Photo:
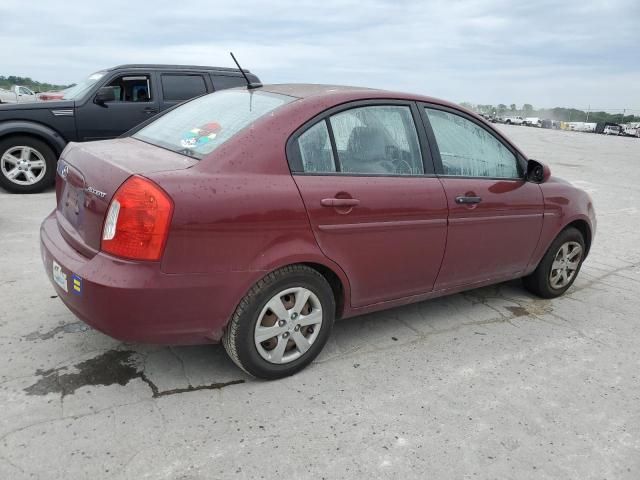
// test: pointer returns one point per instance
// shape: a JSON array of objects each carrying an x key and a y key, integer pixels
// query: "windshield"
[
  {"x": 198, "y": 127},
  {"x": 81, "y": 88}
]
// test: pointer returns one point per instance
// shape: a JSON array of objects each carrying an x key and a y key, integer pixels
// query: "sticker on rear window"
[{"x": 200, "y": 136}]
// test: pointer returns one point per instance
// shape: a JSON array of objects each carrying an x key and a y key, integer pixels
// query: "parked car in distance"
[
  {"x": 50, "y": 96},
  {"x": 257, "y": 217},
  {"x": 631, "y": 130},
  {"x": 513, "y": 120},
  {"x": 532, "y": 122},
  {"x": 104, "y": 105},
  {"x": 17, "y": 94},
  {"x": 612, "y": 130}
]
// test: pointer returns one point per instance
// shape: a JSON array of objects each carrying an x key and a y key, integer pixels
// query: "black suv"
[{"x": 104, "y": 105}]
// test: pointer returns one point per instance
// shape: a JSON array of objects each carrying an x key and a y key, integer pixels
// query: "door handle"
[
  {"x": 150, "y": 110},
  {"x": 339, "y": 202},
  {"x": 468, "y": 200}
]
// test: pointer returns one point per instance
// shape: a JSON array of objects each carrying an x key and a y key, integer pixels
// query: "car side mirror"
[
  {"x": 104, "y": 95},
  {"x": 537, "y": 172}
]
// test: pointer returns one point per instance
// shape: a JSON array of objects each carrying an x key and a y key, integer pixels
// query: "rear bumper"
[{"x": 136, "y": 301}]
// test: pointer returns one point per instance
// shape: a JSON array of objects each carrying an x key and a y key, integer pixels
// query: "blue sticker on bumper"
[{"x": 76, "y": 284}]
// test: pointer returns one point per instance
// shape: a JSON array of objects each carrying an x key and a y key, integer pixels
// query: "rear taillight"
[{"x": 137, "y": 221}]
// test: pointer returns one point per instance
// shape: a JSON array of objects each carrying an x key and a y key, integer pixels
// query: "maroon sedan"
[{"x": 257, "y": 217}]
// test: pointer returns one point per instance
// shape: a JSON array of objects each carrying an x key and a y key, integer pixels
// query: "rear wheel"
[
  {"x": 559, "y": 267},
  {"x": 27, "y": 165},
  {"x": 282, "y": 324}
]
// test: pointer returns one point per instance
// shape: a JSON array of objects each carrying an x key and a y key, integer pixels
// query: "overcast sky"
[{"x": 548, "y": 53}]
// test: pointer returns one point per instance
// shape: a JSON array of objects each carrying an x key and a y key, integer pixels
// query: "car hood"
[{"x": 37, "y": 105}]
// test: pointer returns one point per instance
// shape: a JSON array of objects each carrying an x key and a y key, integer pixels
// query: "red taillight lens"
[{"x": 137, "y": 221}]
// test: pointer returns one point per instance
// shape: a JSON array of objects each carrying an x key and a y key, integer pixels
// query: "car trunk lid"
[{"x": 88, "y": 176}]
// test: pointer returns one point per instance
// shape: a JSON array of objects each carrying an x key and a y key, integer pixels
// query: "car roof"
[
  {"x": 158, "y": 66},
  {"x": 326, "y": 96},
  {"x": 344, "y": 93}
]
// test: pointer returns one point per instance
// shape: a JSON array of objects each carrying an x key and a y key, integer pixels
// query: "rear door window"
[
  {"x": 315, "y": 149},
  {"x": 377, "y": 140},
  {"x": 182, "y": 87}
]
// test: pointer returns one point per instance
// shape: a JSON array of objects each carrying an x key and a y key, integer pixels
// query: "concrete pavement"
[{"x": 492, "y": 383}]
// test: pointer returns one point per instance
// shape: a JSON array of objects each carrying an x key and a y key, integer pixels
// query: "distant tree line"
[
  {"x": 559, "y": 113},
  {"x": 11, "y": 80}
]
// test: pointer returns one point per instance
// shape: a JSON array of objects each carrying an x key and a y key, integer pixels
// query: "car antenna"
[{"x": 250, "y": 85}]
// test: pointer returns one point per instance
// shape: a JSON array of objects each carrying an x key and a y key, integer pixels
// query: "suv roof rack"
[{"x": 177, "y": 67}]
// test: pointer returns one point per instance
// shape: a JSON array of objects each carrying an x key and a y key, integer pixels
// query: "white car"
[
  {"x": 612, "y": 130},
  {"x": 532, "y": 122},
  {"x": 513, "y": 120},
  {"x": 632, "y": 130},
  {"x": 17, "y": 94}
]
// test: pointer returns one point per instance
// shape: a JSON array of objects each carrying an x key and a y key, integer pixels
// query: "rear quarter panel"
[{"x": 239, "y": 210}]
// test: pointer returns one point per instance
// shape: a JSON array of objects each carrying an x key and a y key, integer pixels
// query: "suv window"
[
  {"x": 182, "y": 87},
  {"x": 467, "y": 149},
  {"x": 132, "y": 88},
  {"x": 227, "y": 81},
  {"x": 377, "y": 139}
]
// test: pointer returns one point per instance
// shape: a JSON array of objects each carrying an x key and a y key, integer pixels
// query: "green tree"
[
  {"x": 513, "y": 107},
  {"x": 501, "y": 108},
  {"x": 527, "y": 109}
]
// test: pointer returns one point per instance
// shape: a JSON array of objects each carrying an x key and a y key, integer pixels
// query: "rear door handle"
[
  {"x": 468, "y": 200},
  {"x": 339, "y": 202}
]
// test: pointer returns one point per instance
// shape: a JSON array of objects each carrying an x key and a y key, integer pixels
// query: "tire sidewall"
[
  {"x": 245, "y": 346},
  {"x": 46, "y": 152}
]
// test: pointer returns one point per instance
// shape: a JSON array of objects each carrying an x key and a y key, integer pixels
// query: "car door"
[
  {"x": 136, "y": 100},
  {"x": 495, "y": 216},
  {"x": 26, "y": 95},
  {"x": 375, "y": 207}
]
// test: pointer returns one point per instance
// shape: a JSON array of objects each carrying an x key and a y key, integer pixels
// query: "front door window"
[{"x": 468, "y": 150}]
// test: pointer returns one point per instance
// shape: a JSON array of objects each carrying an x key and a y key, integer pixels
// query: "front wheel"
[
  {"x": 27, "y": 165},
  {"x": 282, "y": 324},
  {"x": 559, "y": 267}
]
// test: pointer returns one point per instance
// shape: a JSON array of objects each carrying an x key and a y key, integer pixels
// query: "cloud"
[{"x": 546, "y": 53}]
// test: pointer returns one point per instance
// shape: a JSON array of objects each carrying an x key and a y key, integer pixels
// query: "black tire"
[
  {"x": 44, "y": 150},
  {"x": 539, "y": 282},
  {"x": 238, "y": 339}
]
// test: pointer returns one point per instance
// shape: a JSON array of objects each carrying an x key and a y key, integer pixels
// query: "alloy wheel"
[
  {"x": 23, "y": 165},
  {"x": 565, "y": 264},
  {"x": 288, "y": 325}
]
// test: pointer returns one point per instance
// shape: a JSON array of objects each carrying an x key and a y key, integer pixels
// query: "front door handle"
[
  {"x": 339, "y": 202},
  {"x": 150, "y": 111},
  {"x": 468, "y": 200}
]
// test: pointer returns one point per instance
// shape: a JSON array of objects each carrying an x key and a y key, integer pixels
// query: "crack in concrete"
[
  {"x": 72, "y": 417},
  {"x": 163, "y": 393},
  {"x": 184, "y": 370}
]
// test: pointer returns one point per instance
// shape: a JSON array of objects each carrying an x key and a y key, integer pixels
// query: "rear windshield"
[{"x": 198, "y": 127}]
